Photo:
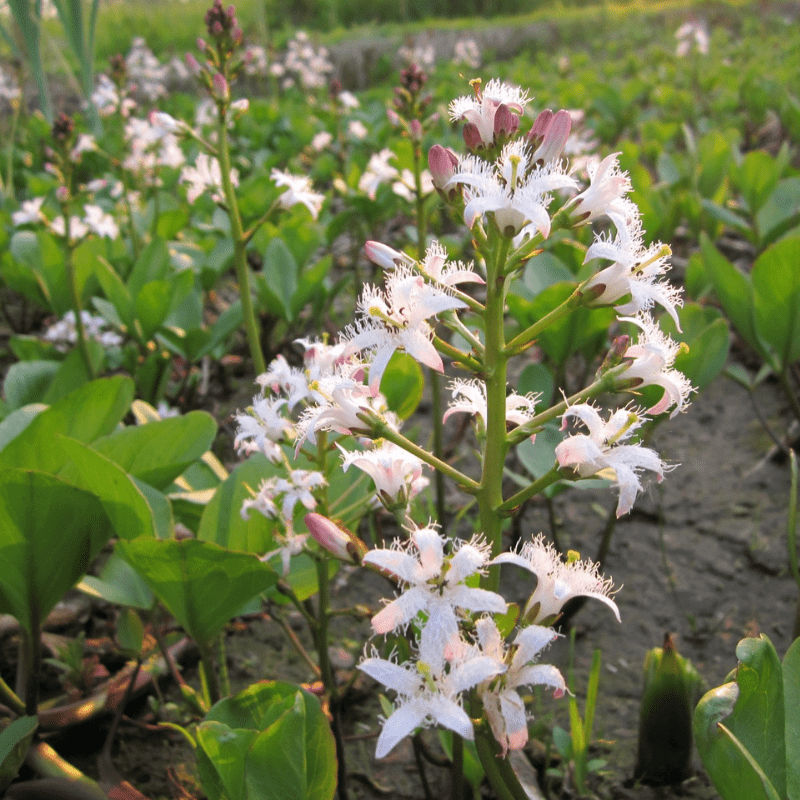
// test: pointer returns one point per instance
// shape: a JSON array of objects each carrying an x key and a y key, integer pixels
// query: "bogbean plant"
[{"x": 464, "y": 652}]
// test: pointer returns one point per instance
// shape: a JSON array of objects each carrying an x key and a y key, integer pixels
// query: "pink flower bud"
[
  {"x": 62, "y": 194},
  {"x": 339, "y": 542},
  {"x": 201, "y": 44},
  {"x": 193, "y": 64},
  {"x": 442, "y": 163},
  {"x": 384, "y": 256},
  {"x": 220, "y": 86},
  {"x": 472, "y": 137},
  {"x": 415, "y": 129},
  {"x": 506, "y": 122},
  {"x": 555, "y": 137},
  {"x": 540, "y": 126}
]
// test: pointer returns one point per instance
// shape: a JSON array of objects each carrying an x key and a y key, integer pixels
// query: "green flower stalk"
[{"x": 665, "y": 722}]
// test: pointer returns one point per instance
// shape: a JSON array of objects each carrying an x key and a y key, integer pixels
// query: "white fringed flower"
[
  {"x": 469, "y": 397},
  {"x": 602, "y": 453},
  {"x": 557, "y": 581},
  {"x": 299, "y": 191}
]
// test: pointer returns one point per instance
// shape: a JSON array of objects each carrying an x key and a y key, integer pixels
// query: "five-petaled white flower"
[
  {"x": 557, "y": 581},
  {"x": 396, "y": 473},
  {"x": 434, "y": 584},
  {"x": 397, "y": 320},
  {"x": 428, "y": 691},
  {"x": 653, "y": 358},
  {"x": 608, "y": 185},
  {"x": 505, "y": 709},
  {"x": 514, "y": 189},
  {"x": 205, "y": 174},
  {"x": 634, "y": 271},
  {"x": 601, "y": 452},
  {"x": 298, "y": 192}
]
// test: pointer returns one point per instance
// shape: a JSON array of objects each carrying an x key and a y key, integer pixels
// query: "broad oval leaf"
[
  {"x": 85, "y": 414},
  {"x": 14, "y": 742},
  {"x": 51, "y": 532},
  {"x": 202, "y": 585},
  {"x": 159, "y": 452}
]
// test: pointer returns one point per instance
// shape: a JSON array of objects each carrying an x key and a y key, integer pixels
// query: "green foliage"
[
  {"x": 270, "y": 742},
  {"x": 203, "y": 585},
  {"x": 747, "y": 730},
  {"x": 15, "y": 739}
]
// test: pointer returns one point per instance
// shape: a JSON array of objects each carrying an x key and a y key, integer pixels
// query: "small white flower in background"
[
  {"x": 481, "y": 110},
  {"x": 405, "y": 187},
  {"x": 434, "y": 584},
  {"x": 204, "y": 175},
  {"x": 428, "y": 691},
  {"x": 256, "y": 61},
  {"x": 692, "y": 35},
  {"x": 29, "y": 211},
  {"x": 653, "y": 358},
  {"x": 608, "y": 185},
  {"x": 396, "y": 473},
  {"x": 310, "y": 65},
  {"x": 514, "y": 190},
  {"x": 557, "y": 581},
  {"x": 77, "y": 228},
  {"x": 397, "y": 320},
  {"x": 634, "y": 271},
  {"x": 99, "y": 222},
  {"x": 469, "y": 397},
  {"x": 357, "y": 129},
  {"x": 378, "y": 172},
  {"x": 321, "y": 141},
  {"x": 65, "y": 332},
  {"x": 603, "y": 453},
  {"x": 84, "y": 144},
  {"x": 146, "y": 72},
  {"x": 467, "y": 52},
  {"x": 348, "y": 100},
  {"x": 9, "y": 89},
  {"x": 505, "y": 709},
  {"x": 420, "y": 53},
  {"x": 298, "y": 191}
]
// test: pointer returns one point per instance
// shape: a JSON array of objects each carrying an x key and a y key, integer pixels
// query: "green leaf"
[
  {"x": 51, "y": 532},
  {"x": 115, "y": 290},
  {"x": 152, "y": 265},
  {"x": 202, "y": 585},
  {"x": 222, "y": 520},
  {"x": 280, "y": 276},
  {"x": 292, "y": 755},
  {"x": 27, "y": 382},
  {"x": 222, "y": 759},
  {"x": 776, "y": 288},
  {"x": 118, "y": 583},
  {"x": 791, "y": 702},
  {"x": 152, "y": 306},
  {"x": 72, "y": 372},
  {"x": 159, "y": 452},
  {"x": 87, "y": 413},
  {"x": 125, "y": 505},
  {"x": 752, "y": 709},
  {"x": 402, "y": 384},
  {"x": 756, "y": 178},
  {"x": 735, "y": 291},
  {"x": 16, "y": 422},
  {"x": 14, "y": 742}
]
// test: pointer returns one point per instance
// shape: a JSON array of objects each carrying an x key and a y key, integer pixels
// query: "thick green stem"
[
  {"x": 490, "y": 494},
  {"x": 457, "y": 769},
  {"x": 783, "y": 377},
  {"x": 69, "y": 267},
  {"x": 30, "y": 664},
  {"x": 11, "y": 699},
  {"x": 239, "y": 250},
  {"x": 457, "y": 355},
  {"x": 208, "y": 675},
  {"x": 438, "y": 443},
  {"x": 49, "y": 764}
]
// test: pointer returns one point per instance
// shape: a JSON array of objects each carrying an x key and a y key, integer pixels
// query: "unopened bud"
[
  {"x": 193, "y": 64},
  {"x": 338, "y": 541},
  {"x": 472, "y": 137},
  {"x": 540, "y": 126},
  {"x": 506, "y": 122},
  {"x": 220, "y": 86},
  {"x": 555, "y": 137},
  {"x": 442, "y": 163},
  {"x": 615, "y": 355},
  {"x": 384, "y": 256}
]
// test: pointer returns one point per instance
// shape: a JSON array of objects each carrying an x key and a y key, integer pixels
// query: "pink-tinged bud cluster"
[
  {"x": 337, "y": 540},
  {"x": 222, "y": 25}
]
